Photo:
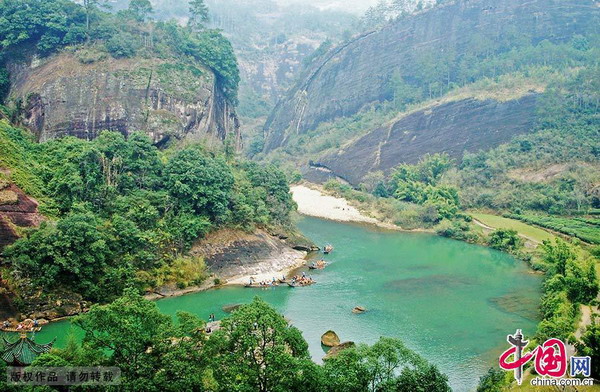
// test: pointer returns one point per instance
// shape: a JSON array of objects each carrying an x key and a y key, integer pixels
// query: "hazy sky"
[{"x": 357, "y": 6}]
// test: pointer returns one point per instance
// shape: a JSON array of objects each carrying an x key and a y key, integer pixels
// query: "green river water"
[{"x": 452, "y": 302}]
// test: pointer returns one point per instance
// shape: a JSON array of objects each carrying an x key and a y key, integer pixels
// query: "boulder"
[
  {"x": 338, "y": 349},
  {"x": 330, "y": 339},
  {"x": 231, "y": 308}
]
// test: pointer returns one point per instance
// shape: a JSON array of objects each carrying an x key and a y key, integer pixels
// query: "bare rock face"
[
  {"x": 358, "y": 72},
  {"x": 334, "y": 351},
  {"x": 233, "y": 253},
  {"x": 330, "y": 339},
  {"x": 62, "y": 96},
  {"x": 17, "y": 211},
  {"x": 453, "y": 128}
]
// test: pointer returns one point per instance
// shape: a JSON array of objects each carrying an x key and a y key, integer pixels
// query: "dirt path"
[{"x": 479, "y": 223}]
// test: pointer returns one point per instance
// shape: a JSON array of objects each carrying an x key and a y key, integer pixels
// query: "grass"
[{"x": 523, "y": 229}]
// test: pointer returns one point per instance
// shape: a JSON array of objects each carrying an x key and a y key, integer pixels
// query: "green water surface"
[{"x": 452, "y": 302}]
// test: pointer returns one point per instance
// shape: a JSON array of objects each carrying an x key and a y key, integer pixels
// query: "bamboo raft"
[
  {"x": 301, "y": 284},
  {"x": 260, "y": 286},
  {"x": 14, "y": 329},
  {"x": 321, "y": 264}
]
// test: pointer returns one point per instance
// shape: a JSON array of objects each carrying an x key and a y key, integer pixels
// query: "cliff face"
[
  {"x": 454, "y": 127},
  {"x": 358, "y": 72},
  {"x": 232, "y": 254},
  {"x": 62, "y": 96},
  {"x": 17, "y": 211}
]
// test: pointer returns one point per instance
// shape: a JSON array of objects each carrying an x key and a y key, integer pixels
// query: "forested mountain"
[
  {"x": 75, "y": 70},
  {"x": 121, "y": 203},
  {"x": 124, "y": 178},
  {"x": 273, "y": 40},
  {"x": 460, "y": 78},
  {"x": 427, "y": 55}
]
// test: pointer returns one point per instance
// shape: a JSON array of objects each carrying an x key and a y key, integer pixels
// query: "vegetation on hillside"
[
  {"x": 52, "y": 25},
  {"x": 255, "y": 349},
  {"x": 125, "y": 213}
]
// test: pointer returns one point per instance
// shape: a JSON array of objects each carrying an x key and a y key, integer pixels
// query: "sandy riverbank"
[{"x": 313, "y": 202}]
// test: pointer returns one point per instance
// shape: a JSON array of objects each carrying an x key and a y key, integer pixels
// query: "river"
[{"x": 452, "y": 302}]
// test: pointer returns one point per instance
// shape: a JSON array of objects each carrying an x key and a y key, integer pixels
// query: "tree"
[
  {"x": 199, "y": 182},
  {"x": 257, "y": 350},
  {"x": 493, "y": 381},
  {"x": 75, "y": 252},
  {"x": 198, "y": 14},
  {"x": 375, "y": 368},
  {"x": 90, "y": 6},
  {"x": 589, "y": 345},
  {"x": 506, "y": 240},
  {"x": 559, "y": 255},
  {"x": 126, "y": 330},
  {"x": 140, "y": 9}
]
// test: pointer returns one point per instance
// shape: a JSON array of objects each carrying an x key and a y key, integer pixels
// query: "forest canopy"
[
  {"x": 122, "y": 206},
  {"x": 53, "y": 25}
]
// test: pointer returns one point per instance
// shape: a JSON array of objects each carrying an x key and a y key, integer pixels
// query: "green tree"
[
  {"x": 506, "y": 240},
  {"x": 74, "y": 253},
  {"x": 198, "y": 14},
  {"x": 589, "y": 345},
  {"x": 257, "y": 350},
  {"x": 493, "y": 381},
  {"x": 127, "y": 330},
  {"x": 388, "y": 365},
  {"x": 140, "y": 9},
  {"x": 558, "y": 254},
  {"x": 199, "y": 182}
]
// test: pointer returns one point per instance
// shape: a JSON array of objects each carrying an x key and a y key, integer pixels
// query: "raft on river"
[
  {"x": 321, "y": 264},
  {"x": 328, "y": 249},
  {"x": 301, "y": 283},
  {"x": 261, "y": 285}
]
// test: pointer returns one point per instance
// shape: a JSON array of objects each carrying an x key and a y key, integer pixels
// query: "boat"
[
  {"x": 13, "y": 329},
  {"x": 260, "y": 286},
  {"x": 321, "y": 264},
  {"x": 328, "y": 249},
  {"x": 301, "y": 284}
]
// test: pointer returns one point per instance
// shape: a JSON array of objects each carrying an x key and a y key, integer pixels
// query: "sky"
[{"x": 355, "y": 6}]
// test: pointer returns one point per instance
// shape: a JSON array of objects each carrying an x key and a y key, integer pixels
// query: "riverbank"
[
  {"x": 312, "y": 201},
  {"x": 235, "y": 256}
]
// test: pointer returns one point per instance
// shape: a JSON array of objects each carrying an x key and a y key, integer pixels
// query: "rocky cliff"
[
  {"x": 17, "y": 211},
  {"x": 358, "y": 72},
  {"x": 166, "y": 99},
  {"x": 453, "y": 127},
  {"x": 232, "y": 254}
]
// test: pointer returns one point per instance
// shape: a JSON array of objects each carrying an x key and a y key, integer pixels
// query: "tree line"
[
  {"x": 48, "y": 26},
  {"x": 125, "y": 213}
]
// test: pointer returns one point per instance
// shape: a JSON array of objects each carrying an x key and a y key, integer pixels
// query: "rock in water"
[
  {"x": 338, "y": 349},
  {"x": 330, "y": 339},
  {"x": 231, "y": 308},
  {"x": 359, "y": 309}
]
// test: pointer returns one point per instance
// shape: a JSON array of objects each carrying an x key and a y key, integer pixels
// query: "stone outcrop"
[
  {"x": 330, "y": 339},
  {"x": 233, "y": 253},
  {"x": 17, "y": 211},
  {"x": 338, "y": 349},
  {"x": 166, "y": 99},
  {"x": 453, "y": 128},
  {"x": 358, "y": 72}
]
